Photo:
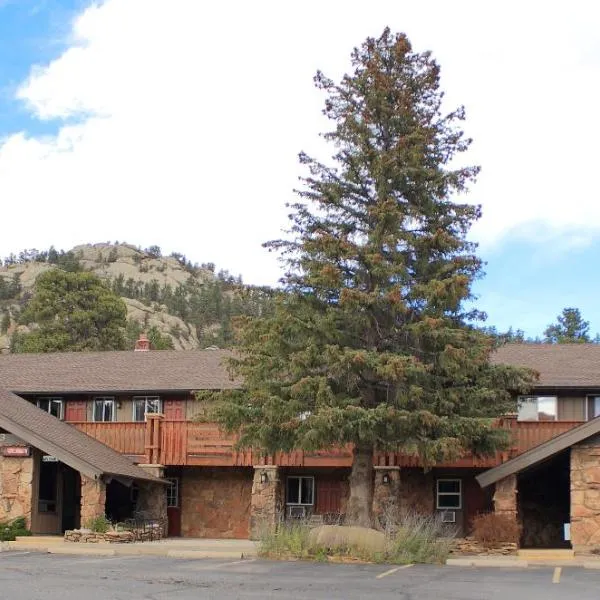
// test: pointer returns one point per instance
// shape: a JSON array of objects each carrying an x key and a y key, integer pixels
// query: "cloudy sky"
[{"x": 178, "y": 123}]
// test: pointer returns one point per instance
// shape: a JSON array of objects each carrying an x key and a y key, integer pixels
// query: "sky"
[{"x": 178, "y": 123}]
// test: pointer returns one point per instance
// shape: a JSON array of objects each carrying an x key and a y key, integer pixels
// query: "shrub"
[
  {"x": 99, "y": 524},
  {"x": 492, "y": 529},
  {"x": 9, "y": 530},
  {"x": 412, "y": 539}
]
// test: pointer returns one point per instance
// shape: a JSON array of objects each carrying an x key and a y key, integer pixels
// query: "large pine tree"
[{"x": 370, "y": 345}]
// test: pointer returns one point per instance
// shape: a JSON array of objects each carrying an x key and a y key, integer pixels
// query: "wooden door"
[
  {"x": 174, "y": 410},
  {"x": 173, "y": 507},
  {"x": 329, "y": 497},
  {"x": 75, "y": 411}
]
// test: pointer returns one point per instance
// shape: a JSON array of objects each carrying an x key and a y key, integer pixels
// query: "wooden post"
[{"x": 153, "y": 438}]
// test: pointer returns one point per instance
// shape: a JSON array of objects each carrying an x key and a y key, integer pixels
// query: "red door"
[
  {"x": 174, "y": 410},
  {"x": 75, "y": 411},
  {"x": 173, "y": 507},
  {"x": 329, "y": 496}
]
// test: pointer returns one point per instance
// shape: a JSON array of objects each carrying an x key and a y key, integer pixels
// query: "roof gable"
[{"x": 69, "y": 445}]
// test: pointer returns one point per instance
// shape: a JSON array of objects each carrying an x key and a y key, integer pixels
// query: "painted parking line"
[
  {"x": 392, "y": 571},
  {"x": 199, "y": 565},
  {"x": 556, "y": 575}
]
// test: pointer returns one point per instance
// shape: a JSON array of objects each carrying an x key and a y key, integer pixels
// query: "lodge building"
[{"x": 88, "y": 434}]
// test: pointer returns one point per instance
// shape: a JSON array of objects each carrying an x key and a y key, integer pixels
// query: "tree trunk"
[{"x": 358, "y": 511}]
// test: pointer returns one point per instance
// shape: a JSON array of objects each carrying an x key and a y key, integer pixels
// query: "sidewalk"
[
  {"x": 171, "y": 547},
  {"x": 527, "y": 558}
]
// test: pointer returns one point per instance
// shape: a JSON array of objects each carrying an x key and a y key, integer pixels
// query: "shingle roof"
[
  {"x": 559, "y": 365},
  {"x": 166, "y": 370},
  {"x": 67, "y": 444}
]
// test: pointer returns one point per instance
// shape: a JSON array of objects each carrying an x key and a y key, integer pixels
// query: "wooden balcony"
[{"x": 184, "y": 443}]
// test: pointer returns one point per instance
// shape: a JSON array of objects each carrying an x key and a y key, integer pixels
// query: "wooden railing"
[
  {"x": 127, "y": 438},
  {"x": 181, "y": 443}
]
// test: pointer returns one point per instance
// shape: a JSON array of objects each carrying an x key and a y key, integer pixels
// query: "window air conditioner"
[
  {"x": 448, "y": 516},
  {"x": 296, "y": 512}
]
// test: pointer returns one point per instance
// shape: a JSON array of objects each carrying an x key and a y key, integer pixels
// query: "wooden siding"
[{"x": 184, "y": 443}]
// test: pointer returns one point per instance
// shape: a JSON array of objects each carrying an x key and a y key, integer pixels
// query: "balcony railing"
[{"x": 181, "y": 443}]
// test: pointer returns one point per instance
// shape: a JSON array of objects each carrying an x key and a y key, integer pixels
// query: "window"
[
  {"x": 593, "y": 407},
  {"x": 104, "y": 409},
  {"x": 538, "y": 408},
  {"x": 300, "y": 490},
  {"x": 448, "y": 494},
  {"x": 173, "y": 492},
  {"x": 54, "y": 406},
  {"x": 47, "y": 488},
  {"x": 145, "y": 405}
]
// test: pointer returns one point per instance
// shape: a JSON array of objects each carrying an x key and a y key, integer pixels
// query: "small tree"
[
  {"x": 72, "y": 311},
  {"x": 569, "y": 329},
  {"x": 370, "y": 344}
]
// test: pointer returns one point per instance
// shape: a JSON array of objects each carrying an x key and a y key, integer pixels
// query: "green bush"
[
  {"x": 9, "y": 530},
  {"x": 99, "y": 524}
]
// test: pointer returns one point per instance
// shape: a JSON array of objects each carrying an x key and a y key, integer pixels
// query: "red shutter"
[{"x": 75, "y": 411}]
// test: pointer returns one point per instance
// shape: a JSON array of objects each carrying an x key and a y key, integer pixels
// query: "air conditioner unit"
[
  {"x": 296, "y": 512},
  {"x": 448, "y": 516}
]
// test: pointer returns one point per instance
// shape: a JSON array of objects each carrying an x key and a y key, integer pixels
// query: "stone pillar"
[
  {"x": 585, "y": 496},
  {"x": 266, "y": 506},
  {"x": 152, "y": 497},
  {"x": 386, "y": 495},
  {"x": 93, "y": 499},
  {"x": 505, "y": 497},
  {"x": 16, "y": 488}
]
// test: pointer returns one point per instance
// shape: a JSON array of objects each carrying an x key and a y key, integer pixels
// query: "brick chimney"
[{"x": 143, "y": 344}]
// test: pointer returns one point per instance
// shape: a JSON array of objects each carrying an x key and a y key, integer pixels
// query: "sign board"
[
  {"x": 16, "y": 451},
  {"x": 47, "y": 458},
  {"x": 567, "y": 531}
]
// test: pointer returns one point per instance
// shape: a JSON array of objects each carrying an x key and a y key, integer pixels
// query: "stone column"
[
  {"x": 266, "y": 506},
  {"x": 505, "y": 497},
  {"x": 152, "y": 497},
  {"x": 585, "y": 496},
  {"x": 386, "y": 495},
  {"x": 16, "y": 485},
  {"x": 93, "y": 499}
]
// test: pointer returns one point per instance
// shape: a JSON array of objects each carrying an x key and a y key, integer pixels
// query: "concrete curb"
[
  {"x": 487, "y": 562},
  {"x": 135, "y": 550}
]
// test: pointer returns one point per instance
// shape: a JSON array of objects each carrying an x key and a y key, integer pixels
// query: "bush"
[
  {"x": 493, "y": 529},
  {"x": 9, "y": 530},
  {"x": 99, "y": 524},
  {"x": 412, "y": 539}
]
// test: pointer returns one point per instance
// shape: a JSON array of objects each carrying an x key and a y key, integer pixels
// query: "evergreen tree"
[
  {"x": 75, "y": 311},
  {"x": 370, "y": 344},
  {"x": 570, "y": 328}
]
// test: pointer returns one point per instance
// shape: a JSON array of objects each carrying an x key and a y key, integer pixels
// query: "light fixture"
[
  {"x": 264, "y": 477},
  {"x": 386, "y": 478}
]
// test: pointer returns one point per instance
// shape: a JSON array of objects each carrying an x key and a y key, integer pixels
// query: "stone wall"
[
  {"x": 267, "y": 499},
  {"x": 386, "y": 494},
  {"x": 585, "y": 495},
  {"x": 417, "y": 491},
  {"x": 215, "y": 502},
  {"x": 16, "y": 486},
  {"x": 93, "y": 499},
  {"x": 505, "y": 497}
]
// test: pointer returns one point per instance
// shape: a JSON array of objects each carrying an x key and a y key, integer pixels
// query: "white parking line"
[{"x": 392, "y": 571}]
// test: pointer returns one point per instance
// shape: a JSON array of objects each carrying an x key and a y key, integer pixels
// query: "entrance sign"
[{"x": 47, "y": 458}]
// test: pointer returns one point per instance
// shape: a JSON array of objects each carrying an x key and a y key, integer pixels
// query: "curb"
[{"x": 487, "y": 562}]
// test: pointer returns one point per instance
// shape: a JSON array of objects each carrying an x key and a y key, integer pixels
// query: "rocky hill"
[{"x": 190, "y": 304}]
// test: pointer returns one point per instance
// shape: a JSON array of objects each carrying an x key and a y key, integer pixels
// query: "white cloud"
[{"x": 182, "y": 119}]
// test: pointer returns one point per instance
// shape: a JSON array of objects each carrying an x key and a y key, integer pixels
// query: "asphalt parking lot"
[{"x": 32, "y": 576}]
